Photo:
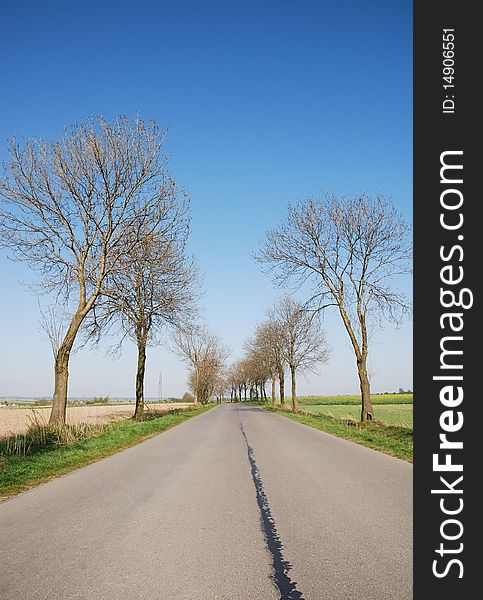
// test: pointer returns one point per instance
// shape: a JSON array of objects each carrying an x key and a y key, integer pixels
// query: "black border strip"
[{"x": 435, "y": 132}]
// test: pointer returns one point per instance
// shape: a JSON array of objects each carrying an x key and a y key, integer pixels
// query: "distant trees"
[
  {"x": 257, "y": 371},
  {"x": 269, "y": 343},
  {"x": 290, "y": 337},
  {"x": 304, "y": 345},
  {"x": 236, "y": 381},
  {"x": 78, "y": 208},
  {"x": 205, "y": 354},
  {"x": 350, "y": 249}
]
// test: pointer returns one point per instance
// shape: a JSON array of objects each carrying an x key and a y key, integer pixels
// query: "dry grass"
[
  {"x": 41, "y": 435},
  {"x": 18, "y": 420}
]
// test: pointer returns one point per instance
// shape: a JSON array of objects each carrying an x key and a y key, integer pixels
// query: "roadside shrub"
[
  {"x": 187, "y": 397},
  {"x": 151, "y": 414}
]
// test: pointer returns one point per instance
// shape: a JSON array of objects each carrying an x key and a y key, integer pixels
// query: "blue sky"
[{"x": 265, "y": 103}]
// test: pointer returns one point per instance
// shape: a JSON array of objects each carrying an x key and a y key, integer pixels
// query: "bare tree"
[
  {"x": 154, "y": 289},
  {"x": 204, "y": 379},
  {"x": 350, "y": 249},
  {"x": 205, "y": 354},
  {"x": 251, "y": 373},
  {"x": 237, "y": 380},
  {"x": 240, "y": 378},
  {"x": 70, "y": 210},
  {"x": 270, "y": 342},
  {"x": 259, "y": 367},
  {"x": 305, "y": 344},
  {"x": 230, "y": 383},
  {"x": 221, "y": 385}
]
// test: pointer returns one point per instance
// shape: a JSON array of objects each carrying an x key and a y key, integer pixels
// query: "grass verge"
[
  {"x": 390, "y": 439},
  {"x": 21, "y": 472}
]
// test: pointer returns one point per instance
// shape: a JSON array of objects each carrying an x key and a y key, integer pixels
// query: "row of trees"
[
  {"x": 290, "y": 339},
  {"x": 205, "y": 355},
  {"x": 101, "y": 219},
  {"x": 98, "y": 215},
  {"x": 349, "y": 250}
]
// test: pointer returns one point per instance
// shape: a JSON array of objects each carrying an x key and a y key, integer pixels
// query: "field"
[
  {"x": 389, "y": 409},
  {"x": 355, "y": 399},
  {"x": 17, "y": 420}
]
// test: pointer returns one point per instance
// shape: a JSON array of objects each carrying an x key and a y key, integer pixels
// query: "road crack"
[{"x": 281, "y": 567}]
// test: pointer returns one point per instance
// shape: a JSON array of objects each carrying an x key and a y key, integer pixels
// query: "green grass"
[
  {"x": 390, "y": 439},
  {"x": 355, "y": 399},
  {"x": 21, "y": 472},
  {"x": 400, "y": 415}
]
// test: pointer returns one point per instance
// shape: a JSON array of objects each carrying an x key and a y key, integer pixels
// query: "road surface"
[{"x": 237, "y": 503}]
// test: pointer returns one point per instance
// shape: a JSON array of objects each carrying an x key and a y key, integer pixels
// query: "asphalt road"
[{"x": 236, "y": 503}]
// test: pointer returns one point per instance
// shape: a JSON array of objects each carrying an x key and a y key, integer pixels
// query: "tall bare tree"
[
  {"x": 205, "y": 354},
  {"x": 154, "y": 289},
  {"x": 305, "y": 344},
  {"x": 350, "y": 248},
  {"x": 71, "y": 209}
]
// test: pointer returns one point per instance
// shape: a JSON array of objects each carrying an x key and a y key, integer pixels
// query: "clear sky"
[{"x": 265, "y": 103}]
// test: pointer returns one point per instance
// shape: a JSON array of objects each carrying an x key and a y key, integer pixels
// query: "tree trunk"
[
  {"x": 273, "y": 390},
  {"x": 61, "y": 375},
  {"x": 281, "y": 379},
  {"x": 366, "y": 410},
  {"x": 61, "y": 371},
  {"x": 294, "y": 396},
  {"x": 138, "y": 413},
  {"x": 195, "y": 391},
  {"x": 361, "y": 358}
]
